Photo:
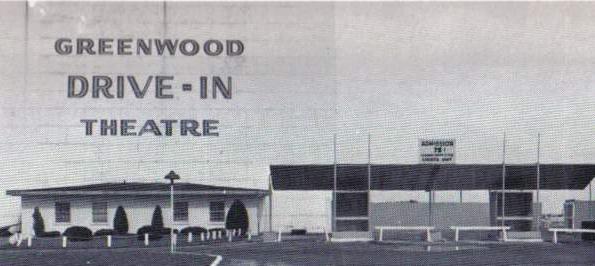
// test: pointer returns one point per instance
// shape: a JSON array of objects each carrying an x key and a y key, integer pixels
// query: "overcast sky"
[{"x": 397, "y": 71}]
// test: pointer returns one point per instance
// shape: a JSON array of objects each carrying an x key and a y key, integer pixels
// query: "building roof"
[
  {"x": 135, "y": 188},
  {"x": 431, "y": 176}
]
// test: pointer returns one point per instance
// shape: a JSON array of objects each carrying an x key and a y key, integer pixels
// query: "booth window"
[
  {"x": 99, "y": 211},
  {"x": 181, "y": 211},
  {"x": 62, "y": 212},
  {"x": 217, "y": 211}
]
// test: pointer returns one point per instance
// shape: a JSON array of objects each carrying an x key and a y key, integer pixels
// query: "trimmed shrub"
[
  {"x": 120, "y": 221},
  {"x": 157, "y": 220},
  {"x": 237, "y": 217},
  {"x": 105, "y": 232},
  {"x": 78, "y": 233},
  {"x": 298, "y": 232},
  {"x": 4, "y": 232},
  {"x": 165, "y": 230},
  {"x": 196, "y": 230},
  {"x": 154, "y": 233},
  {"x": 49, "y": 234},
  {"x": 38, "y": 225}
]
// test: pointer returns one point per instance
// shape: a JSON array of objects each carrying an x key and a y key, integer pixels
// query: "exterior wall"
[
  {"x": 444, "y": 214},
  {"x": 139, "y": 211},
  {"x": 310, "y": 210},
  {"x": 583, "y": 211}
]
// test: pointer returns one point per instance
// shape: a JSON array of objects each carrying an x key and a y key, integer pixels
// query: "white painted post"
[
  {"x": 279, "y": 236},
  {"x": 189, "y": 237},
  {"x": 249, "y": 236},
  {"x": 457, "y": 234},
  {"x": 380, "y": 235},
  {"x": 429, "y": 234},
  {"x": 220, "y": 234},
  {"x": 202, "y": 236},
  {"x": 504, "y": 235},
  {"x": 146, "y": 239},
  {"x": 555, "y": 237},
  {"x": 64, "y": 241},
  {"x": 240, "y": 232},
  {"x": 233, "y": 231},
  {"x": 29, "y": 242},
  {"x": 229, "y": 237},
  {"x": 109, "y": 241}
]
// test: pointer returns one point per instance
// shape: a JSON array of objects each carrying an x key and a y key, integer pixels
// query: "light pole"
[{"x": 171, "y": 177}]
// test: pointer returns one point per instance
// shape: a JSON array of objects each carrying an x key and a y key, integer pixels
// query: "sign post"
[{"x": 436, "y": 151}]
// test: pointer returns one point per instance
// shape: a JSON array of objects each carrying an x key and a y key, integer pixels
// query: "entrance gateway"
[{"x": 355, "y": 217}]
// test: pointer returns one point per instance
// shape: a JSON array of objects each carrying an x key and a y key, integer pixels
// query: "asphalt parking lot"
[{"x": 310, "y": 252}]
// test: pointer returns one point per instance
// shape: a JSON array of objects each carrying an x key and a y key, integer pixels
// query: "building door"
[{"x": 237, "y": 217}]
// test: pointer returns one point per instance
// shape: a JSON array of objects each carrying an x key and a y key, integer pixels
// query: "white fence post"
[
  {"x": 229, "y": 237},
  {"x": 64, "y": 241},
  {"x": 457, "y": 235},
  {"x": 429, "y": 234},
  {"x": 146, "y": 239},
  {"x": 240, "y": 232},
  {"x": 504, "y": 235},
  {"x": 109, "y": 241},
  {"x": 555, "y": 237},
  {"x": 189, "y": 237},
  {"x": 220, "y": 234},
  {"x": 202, "y": 236},
  {"x": 29, "y": 241},
  {"x": 380, "y": 235},
  {"x": 279, "y": 236},
  {"x": 250, "y": 236}
]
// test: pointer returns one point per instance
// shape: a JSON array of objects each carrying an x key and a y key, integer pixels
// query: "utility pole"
[{"x": 503, "y": 179}]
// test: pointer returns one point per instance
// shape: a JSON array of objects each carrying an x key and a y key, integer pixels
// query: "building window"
[
  {"x": 62, "y": 212},
  {"x": 217, "y": 211},
  {"x": 181, "y": 211},
  {"x": 99, "y": 212}
]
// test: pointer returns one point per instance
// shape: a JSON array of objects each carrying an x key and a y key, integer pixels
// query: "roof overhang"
[
  {"x": 431, "y": 176},
  {"x": 134, "y": 193}
]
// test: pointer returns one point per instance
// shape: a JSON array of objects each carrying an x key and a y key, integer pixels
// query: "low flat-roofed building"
[{"x": 94, "y": 206}]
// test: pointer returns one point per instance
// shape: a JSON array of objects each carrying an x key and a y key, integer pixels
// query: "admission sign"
[{"x": 437, "y": 151}]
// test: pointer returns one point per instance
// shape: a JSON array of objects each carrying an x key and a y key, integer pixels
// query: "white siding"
[{"x": 139, "y": 211}]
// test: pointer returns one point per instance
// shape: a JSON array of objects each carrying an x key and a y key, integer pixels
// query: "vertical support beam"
[
  {"x": 503, "y": 179},
  {"x": 109, "y": 241},
  {"x": 171, "y": 230},
  {"x": 369, "y": 179},
  {"x": 538, "y": 185},
  {"x": 29, "y": 241},
  {"x": 271, "y": 203},
  {"x": 334, "y": 221},
  {"x": 430, "y": 199},
  {"x": 590, "y": 200},
  {"x": 64, "y": 241},
  {"x": 189, "y": 237},
  {"x": 457, "y": 234},
  {"x": 555, "y": 240},
  {"x": 380, "y": 234},
  {"x": 146, "y": 239}
]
